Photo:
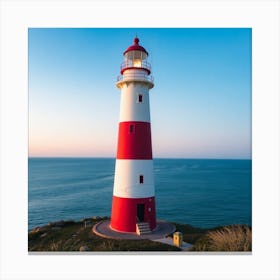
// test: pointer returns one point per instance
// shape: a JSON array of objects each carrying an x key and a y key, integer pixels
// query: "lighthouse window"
[
  {"x": 141, "y": 179},
  {"x": 140, "y": 98},
  {"x": 131, "y": 128}
]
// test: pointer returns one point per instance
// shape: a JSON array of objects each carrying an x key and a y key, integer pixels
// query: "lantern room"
[{"x": 135, "y": 57}]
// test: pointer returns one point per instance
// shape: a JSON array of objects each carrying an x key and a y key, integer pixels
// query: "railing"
[
  {"x": 136, "y": 64},
  {"x": 136, "y": 77}
]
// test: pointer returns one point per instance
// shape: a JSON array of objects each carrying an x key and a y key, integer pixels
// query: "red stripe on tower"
[
  {"x": 134, "y": 141},
  {"x": 125, "y": 211},
  {"x": 134, "y": 195}
]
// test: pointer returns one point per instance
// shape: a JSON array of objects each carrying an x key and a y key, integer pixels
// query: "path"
[{"x": 168, "y": 240}]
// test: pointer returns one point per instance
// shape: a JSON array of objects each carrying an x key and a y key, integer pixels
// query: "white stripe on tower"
[
  {"x": 127, "y": 183},
  {"x": 131, "y": 108}
]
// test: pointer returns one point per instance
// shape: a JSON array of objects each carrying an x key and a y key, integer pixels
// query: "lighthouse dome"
[
  {"x": 135, "y": 47},
  {"x": 136, "y": 51}
]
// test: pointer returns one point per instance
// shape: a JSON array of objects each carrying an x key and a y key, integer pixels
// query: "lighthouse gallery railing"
[
  {"x": 135, "y": 76},
  {"x": 140, "y": 64}
]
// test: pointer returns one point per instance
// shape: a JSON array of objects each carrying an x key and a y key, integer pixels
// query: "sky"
[{"x": 200, "y": 105}]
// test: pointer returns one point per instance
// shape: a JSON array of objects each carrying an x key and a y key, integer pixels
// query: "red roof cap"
[{"x": 135, "y": 47}]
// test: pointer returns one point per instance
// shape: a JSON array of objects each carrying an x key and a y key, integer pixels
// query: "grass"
[
  {"x": 65, "y": 236},
  {"x": 234, "y": 238},
  {"x": 71, "y": 236}
]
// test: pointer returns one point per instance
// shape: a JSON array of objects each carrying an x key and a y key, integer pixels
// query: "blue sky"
[{"x": 200, "y": 105}]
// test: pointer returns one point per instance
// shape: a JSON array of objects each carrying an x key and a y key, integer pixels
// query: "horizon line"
[{"x": 107, "y": 157}]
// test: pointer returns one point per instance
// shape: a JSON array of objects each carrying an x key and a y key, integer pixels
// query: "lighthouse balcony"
[
  {"x": 136, "y": 64},
  {"x": 135, "y": 77}
]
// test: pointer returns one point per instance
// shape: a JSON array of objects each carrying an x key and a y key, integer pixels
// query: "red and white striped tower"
[{"x": 134, "y": 192}]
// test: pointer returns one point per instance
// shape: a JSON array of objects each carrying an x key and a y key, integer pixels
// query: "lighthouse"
[{"x": 133, "y": 202}]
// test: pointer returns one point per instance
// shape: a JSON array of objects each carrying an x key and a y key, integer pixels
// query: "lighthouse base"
[
  {"x": 162, "y": 229},
  {"x": 127, "y": 212}
]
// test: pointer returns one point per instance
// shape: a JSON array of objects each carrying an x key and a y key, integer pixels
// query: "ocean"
[{"x": 200, "y": 192}]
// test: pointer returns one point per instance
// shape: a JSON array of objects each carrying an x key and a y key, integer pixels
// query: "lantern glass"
[{"x": 137, "y": 63}]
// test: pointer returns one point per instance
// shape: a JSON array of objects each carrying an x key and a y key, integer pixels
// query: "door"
[{"x": 140, "y": 212}]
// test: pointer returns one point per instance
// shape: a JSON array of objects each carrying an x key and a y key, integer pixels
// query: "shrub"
[{"x": 229, "y": 238}]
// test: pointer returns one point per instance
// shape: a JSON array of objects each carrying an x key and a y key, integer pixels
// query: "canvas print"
[{"x": 140, "y": 140}]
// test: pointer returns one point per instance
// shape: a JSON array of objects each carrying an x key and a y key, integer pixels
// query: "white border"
[{"x": 17, "y": 16}]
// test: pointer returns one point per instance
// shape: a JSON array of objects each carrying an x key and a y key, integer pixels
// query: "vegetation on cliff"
[{"x": 67, "y": 236}]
